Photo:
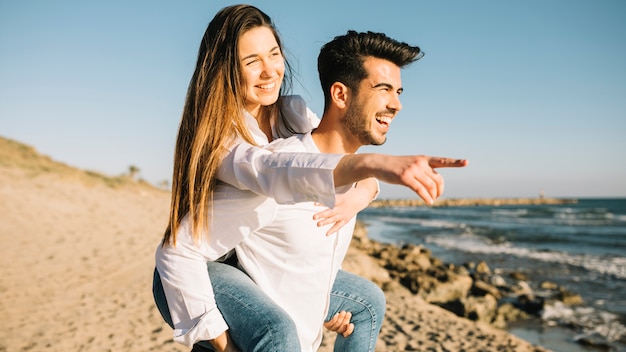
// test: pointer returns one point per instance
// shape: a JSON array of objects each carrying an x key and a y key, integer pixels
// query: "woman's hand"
[
  {"x": 341, "y": 324},
  {"x": 347, "y": 205}
]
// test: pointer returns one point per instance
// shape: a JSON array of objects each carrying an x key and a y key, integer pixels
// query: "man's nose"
[{"x": 395, "y": 103}]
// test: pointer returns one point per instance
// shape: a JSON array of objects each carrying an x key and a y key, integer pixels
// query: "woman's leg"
[
  {"x": 255, "y": 322},
  {"x": 366, "y": 302}
]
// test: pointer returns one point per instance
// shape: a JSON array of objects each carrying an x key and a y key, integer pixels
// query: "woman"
[
  {"x": 233, "y": 105},
  {"x": 223, "y": 94}
]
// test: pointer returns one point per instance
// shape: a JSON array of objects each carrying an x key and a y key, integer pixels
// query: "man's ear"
[{"x": 339, "y": 95}]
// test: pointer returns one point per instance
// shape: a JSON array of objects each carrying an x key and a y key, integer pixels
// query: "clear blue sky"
[{"x": 533, "y": 93}]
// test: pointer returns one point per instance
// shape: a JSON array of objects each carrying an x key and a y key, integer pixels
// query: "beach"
[{"x": 78, "y": 256}]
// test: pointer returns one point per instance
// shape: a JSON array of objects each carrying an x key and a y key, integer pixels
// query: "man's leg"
[
  {"x": 255, "y": 322},
  {"x": 366, "y": 302}
]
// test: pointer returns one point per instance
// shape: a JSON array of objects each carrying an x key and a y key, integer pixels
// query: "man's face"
[{"x": 370, "y": 112}]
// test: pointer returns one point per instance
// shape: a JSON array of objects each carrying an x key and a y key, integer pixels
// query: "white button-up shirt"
[{"x": 263, "y": 209}]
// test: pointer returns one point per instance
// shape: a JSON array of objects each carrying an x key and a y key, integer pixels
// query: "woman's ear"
[{"x": 339, "y": 95}]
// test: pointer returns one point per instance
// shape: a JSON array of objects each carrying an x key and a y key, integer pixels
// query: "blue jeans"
[
  {"x": 257, "y": 324},
  {"x": 366, "y": 302}
]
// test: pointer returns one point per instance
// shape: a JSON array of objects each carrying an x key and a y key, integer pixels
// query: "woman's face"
[{"x": 262, "y": 66}]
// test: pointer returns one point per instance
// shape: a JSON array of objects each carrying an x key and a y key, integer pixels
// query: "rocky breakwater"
[
  {"x": 473, "y": 290},
  {"x": 470, "y": 202}
]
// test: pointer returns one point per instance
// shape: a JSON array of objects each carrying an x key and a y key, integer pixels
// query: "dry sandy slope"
[{"x": 76, "y": 265}]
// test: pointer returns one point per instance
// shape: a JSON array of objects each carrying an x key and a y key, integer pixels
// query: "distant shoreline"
[{"x": 470, "y": 202}]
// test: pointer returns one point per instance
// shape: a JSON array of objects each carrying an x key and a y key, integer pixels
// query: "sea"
[{"x": 579, "y": 246}]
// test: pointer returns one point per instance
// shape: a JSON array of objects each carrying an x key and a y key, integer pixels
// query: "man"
[
  {"x": 360, "y": 74},
  {"x": 290, "y": 258}
]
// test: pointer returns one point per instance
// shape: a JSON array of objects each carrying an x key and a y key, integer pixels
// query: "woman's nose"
[{"x": 268, "y": 70}]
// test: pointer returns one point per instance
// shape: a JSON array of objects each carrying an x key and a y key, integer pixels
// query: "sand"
[{"x": 77, "y": 261}]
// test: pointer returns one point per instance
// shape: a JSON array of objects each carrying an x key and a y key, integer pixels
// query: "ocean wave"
[
  {"x": 557, "y": 215},
  {"x": 470, "y": 242},
  {"x": 510, "y": 212},
  {"x": 588, "y": 320},
  {"x": 432, "y": 223}
]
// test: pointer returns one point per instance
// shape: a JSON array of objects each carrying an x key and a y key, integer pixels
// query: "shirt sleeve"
[
  {"x": 284, "y": 170},
  {"x": 377, "y": 190},
  {"x": 188, "y": 290},
  {"x": 183, "y": 269},
  {"x": 295, "y": 118},
  {"x": 288, "y": 177}
]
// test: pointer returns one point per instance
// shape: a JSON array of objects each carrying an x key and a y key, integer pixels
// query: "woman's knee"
[
  {"x": 377, "y": 299},
  {"x": 361, "y": 289},
  {"x": 273, "y": 331}
]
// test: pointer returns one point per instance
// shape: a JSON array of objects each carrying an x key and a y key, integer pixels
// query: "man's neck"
[{"x": 333, "y": 139}]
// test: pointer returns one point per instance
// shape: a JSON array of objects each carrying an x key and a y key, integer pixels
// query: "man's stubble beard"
[{"x": 356, "y": 124}]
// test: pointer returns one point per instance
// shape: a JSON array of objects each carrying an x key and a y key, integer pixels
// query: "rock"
[
  {"x": 481, "y": 288},
  {"x": 414, "y": 281},
  {"x": 518, "y": 276},
  {"x": 522, "y": 288},
  {"x": 507, "y": 313},
  {"x": 456, "y": 287},
  {"x": 593, "y": 343},
  {"x": 461, "y": 270},
  {"x": 473, "y": 291},
  {"x": 530, "y": 304},
  {"x": 359, "y": 236},
  {"x": 439, "y": 272},
  {"x": 456, "y": 306},
  {"x": 366, "y": 267},
  {"x": 469, "y": 202},
  {"x": 548, "y": 285},
  {"x": 569, "y": 298},
  {"x": 385, "y": 254},
  {"x": 481, "y": 309},
  {"x": 416, "y": 255},
  {"x": 497, "y": 281},
  {"x": 483, "y": 269}
]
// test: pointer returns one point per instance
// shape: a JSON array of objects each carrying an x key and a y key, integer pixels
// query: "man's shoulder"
[{"x": 296, "y": 143}]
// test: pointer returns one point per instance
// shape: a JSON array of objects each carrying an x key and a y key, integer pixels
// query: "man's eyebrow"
[
  {"x": 255, "y": 55},
  {"x": 387, "y": 85}
]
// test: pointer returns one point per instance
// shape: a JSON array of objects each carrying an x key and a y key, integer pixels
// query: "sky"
[{"x": 532, "y": 93}]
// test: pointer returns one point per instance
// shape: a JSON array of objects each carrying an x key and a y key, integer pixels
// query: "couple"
[{"x": 243, "y": 266}]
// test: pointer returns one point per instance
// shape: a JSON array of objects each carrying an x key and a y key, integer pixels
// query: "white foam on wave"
[
  {"x": 510, "y": 212},
  {"x": 391, "y": 220},
  {"x": 591, "y": 321},
  {"x": 470, "y": 242}
]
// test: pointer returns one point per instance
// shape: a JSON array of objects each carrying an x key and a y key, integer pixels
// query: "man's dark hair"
[{"x": 341, "y": 60}]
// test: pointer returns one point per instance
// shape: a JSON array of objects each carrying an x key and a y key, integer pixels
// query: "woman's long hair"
[{"x": 213, "y": 116}]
